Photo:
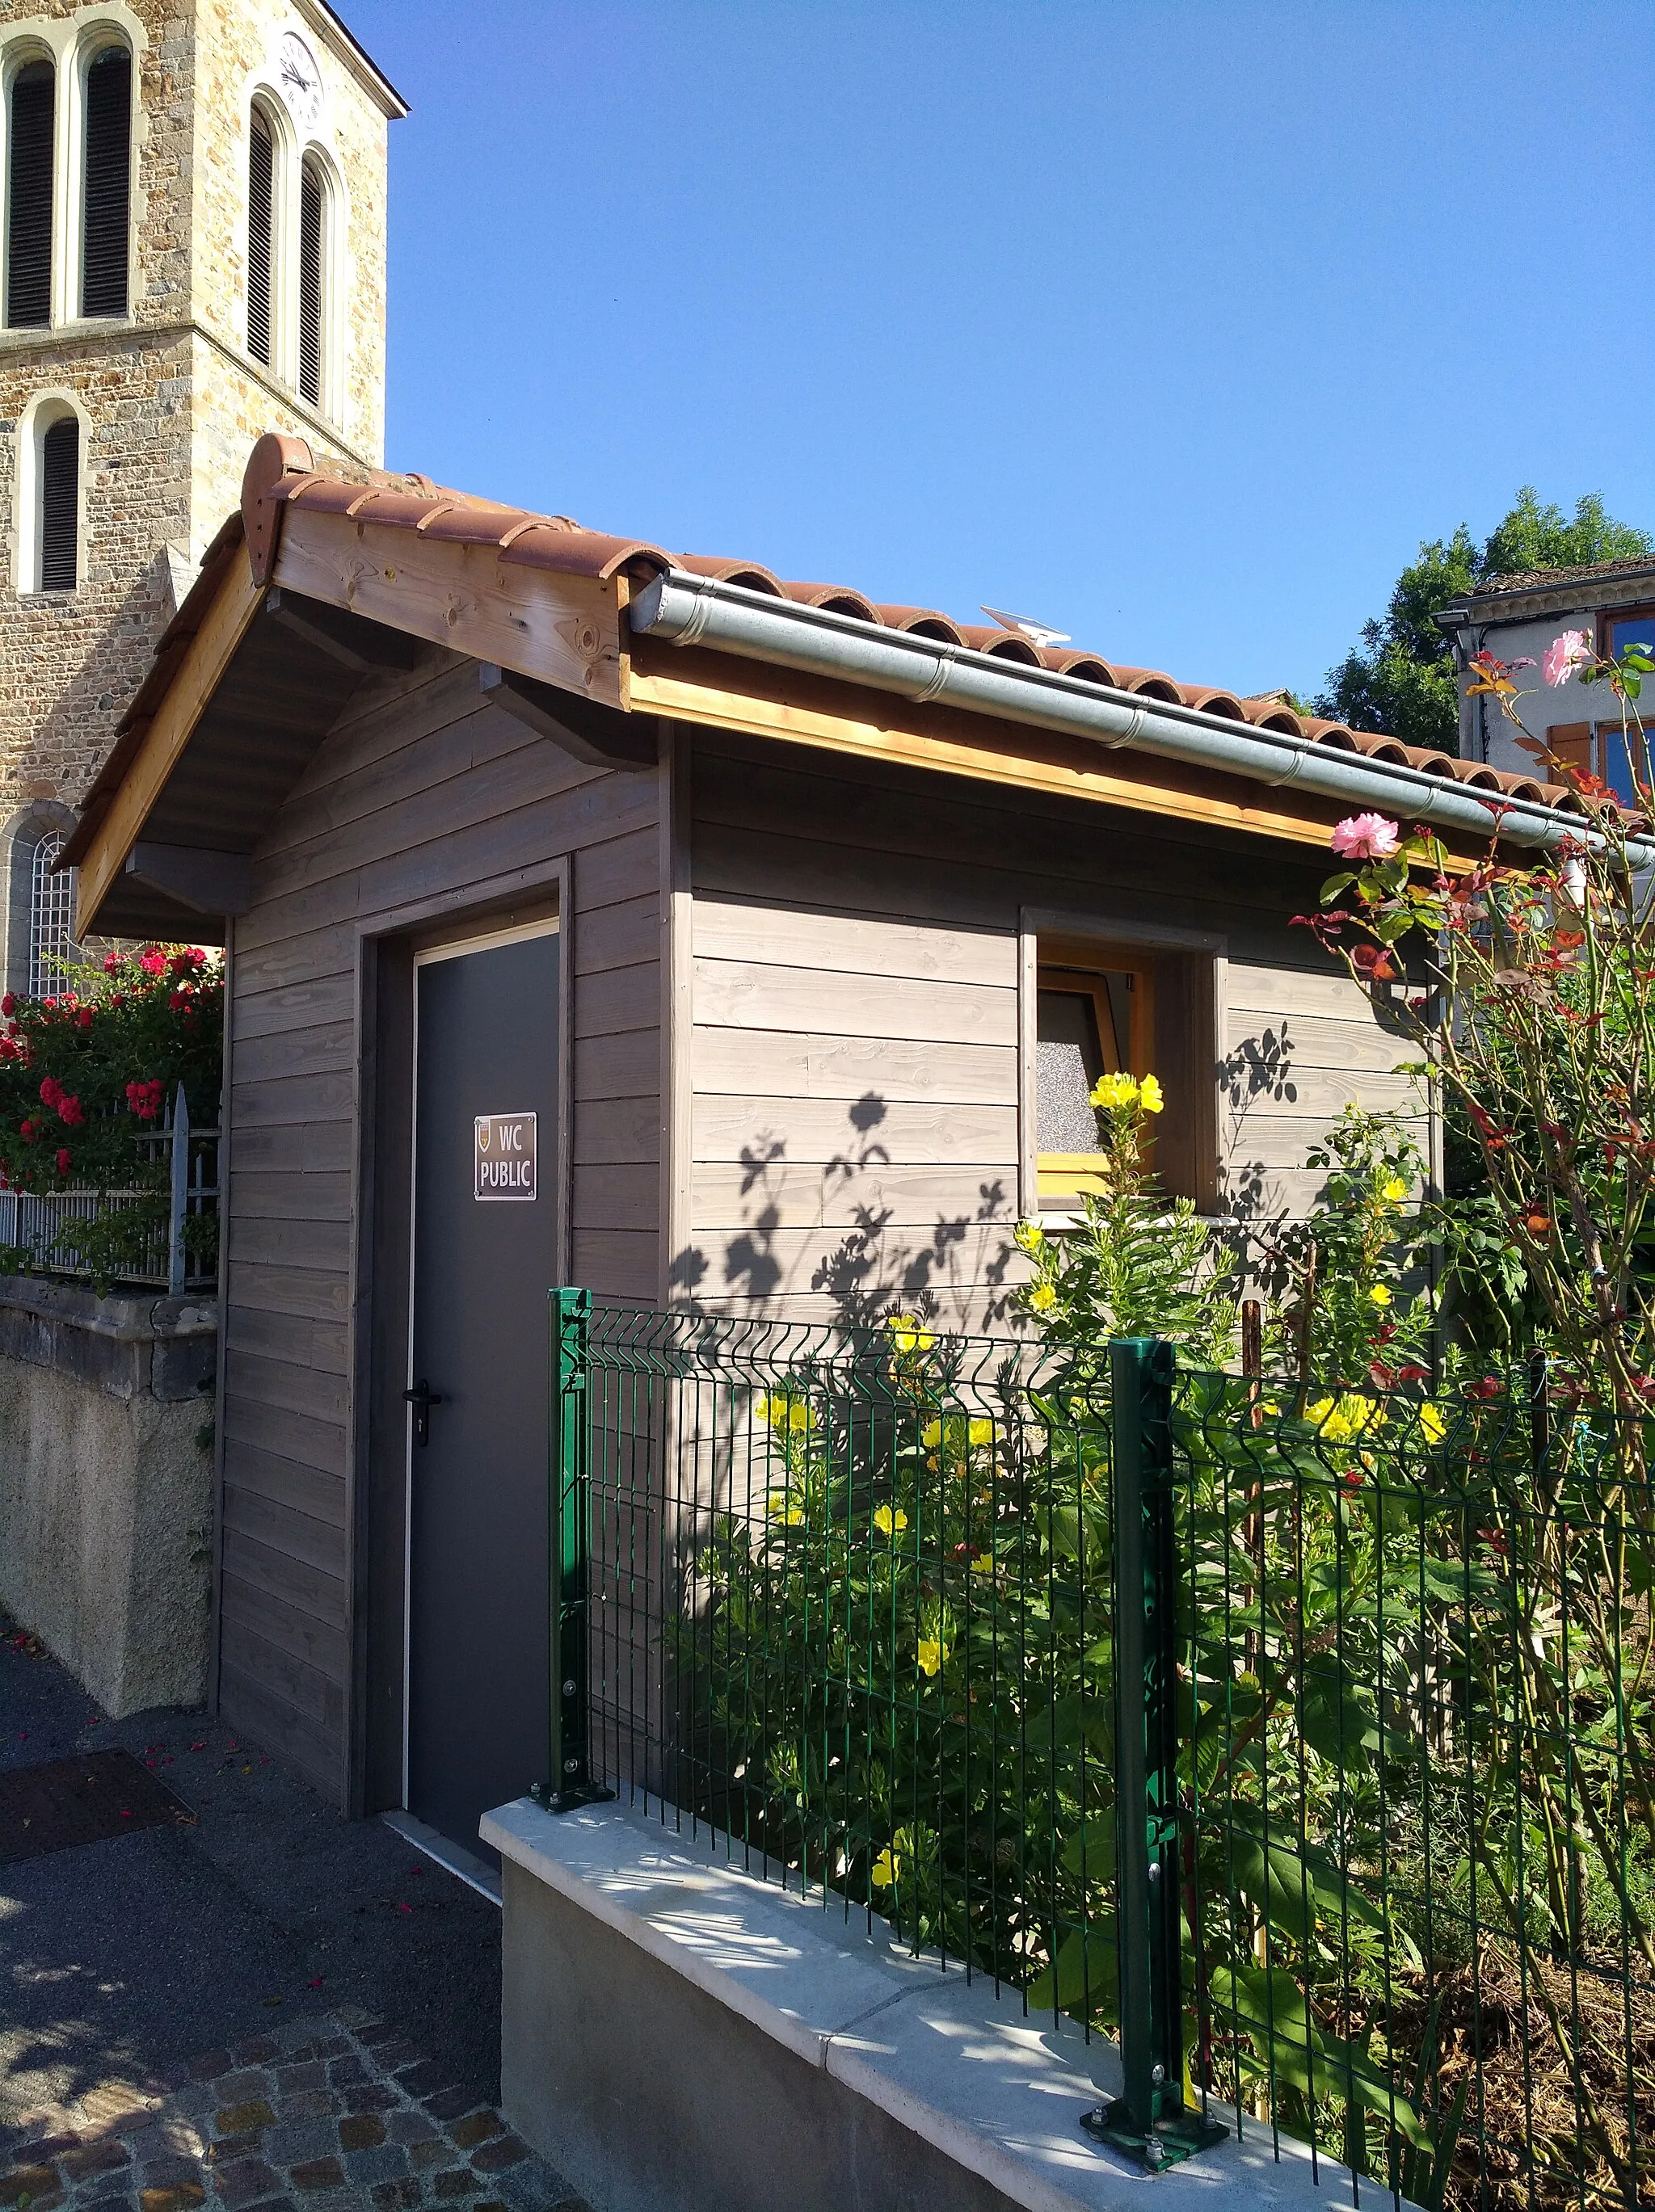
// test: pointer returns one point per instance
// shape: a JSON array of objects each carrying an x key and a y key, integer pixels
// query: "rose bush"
[{"x": 87, "y": 1069}]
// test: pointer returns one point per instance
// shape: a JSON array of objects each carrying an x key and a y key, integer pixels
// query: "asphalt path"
[{"x": 121, "y": 1960}]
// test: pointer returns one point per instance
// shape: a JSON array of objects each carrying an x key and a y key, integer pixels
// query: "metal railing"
[
  {"x": 1302, "y": 1742},
  {"x": 149, "y": 1235}
]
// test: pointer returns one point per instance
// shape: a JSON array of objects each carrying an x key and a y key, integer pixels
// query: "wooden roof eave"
[{"x": 721, "y": 692}]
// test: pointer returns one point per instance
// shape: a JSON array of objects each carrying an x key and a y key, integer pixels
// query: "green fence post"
[
  {"x": 570, "y": 1781},
  {"x": 1149, "y": 2120}
]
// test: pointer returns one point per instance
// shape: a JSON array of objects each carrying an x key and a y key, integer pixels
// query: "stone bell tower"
[{"x": 192, "y": 247}]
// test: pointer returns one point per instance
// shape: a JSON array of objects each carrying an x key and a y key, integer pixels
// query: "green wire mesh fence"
[{"x": 1299, "y": 1741}]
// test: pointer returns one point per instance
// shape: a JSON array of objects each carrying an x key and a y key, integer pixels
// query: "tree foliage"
[{"x": 1400, "y": 678}]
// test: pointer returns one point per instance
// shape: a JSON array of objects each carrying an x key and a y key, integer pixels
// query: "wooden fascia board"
[
  {"x": 694, "y": 685},
  {"x": 565, "y": 630},
  {"x": 210, "y": 654}
]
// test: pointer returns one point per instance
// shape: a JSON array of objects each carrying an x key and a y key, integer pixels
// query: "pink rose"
[
  {"x": 1366, "y": 837},
  {"x": 1564, "y": 655}
]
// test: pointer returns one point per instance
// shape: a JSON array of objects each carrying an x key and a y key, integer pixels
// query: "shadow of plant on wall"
[{"x": 831, "y": 1230}]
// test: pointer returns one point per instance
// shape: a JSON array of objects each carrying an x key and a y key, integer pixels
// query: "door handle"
[{"x": 421, "y": 1398}]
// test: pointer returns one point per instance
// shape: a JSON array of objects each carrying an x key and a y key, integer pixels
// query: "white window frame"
[
  {"x": 42, "y": 411},
  {"x": 72, "y": 46}
]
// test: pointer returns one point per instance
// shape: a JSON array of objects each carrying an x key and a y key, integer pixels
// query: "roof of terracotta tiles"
[
  {"x": 281, "y": 473},
  {"x": 558, "y": 541},
  {"x": 1554, "y": 580}
]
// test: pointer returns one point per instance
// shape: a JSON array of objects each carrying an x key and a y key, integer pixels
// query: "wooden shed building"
[{"x": 650, "y": 922}]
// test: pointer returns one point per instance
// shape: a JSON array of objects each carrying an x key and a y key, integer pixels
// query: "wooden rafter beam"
[{"x": 209, "y": 654}]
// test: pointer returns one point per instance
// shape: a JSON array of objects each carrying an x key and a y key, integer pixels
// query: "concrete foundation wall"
[
  {"x": 105, "y": 1487},
  {"x": 653, "y": 2096}
]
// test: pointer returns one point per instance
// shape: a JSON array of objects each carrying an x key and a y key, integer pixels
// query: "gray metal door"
[{"x": 485, "y": 1253}]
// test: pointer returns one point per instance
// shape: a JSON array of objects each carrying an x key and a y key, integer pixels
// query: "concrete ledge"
[
  {"x": 778, "y": 2056},
  {"x": 131, "y": 1344}
]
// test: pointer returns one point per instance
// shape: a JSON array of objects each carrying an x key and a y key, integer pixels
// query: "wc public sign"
[{"x": 504, "y": 1156}]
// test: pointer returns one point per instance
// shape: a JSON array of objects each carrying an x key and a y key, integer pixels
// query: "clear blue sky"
[{"x": 1174, "y": 326}]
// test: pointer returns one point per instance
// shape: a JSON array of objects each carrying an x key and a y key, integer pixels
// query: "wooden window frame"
[
  {"x": 1610, "y": 616},
  {"x": 1185, "y": 1016},
  {"x": 1061, "y": 971}
]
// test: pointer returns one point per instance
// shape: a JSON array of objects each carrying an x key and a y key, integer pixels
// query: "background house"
[{"x": 1516, "y": 617}]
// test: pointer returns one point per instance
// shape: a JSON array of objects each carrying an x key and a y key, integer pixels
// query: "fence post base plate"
[
  {"x": 1178, "y": 2135},
  {"x": 569, "y": 1800}
]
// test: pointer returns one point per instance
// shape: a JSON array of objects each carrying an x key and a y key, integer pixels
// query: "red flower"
[
  {"x": 63, "y": 1161},
  {"x": 9, "y": 1004},
  {"x": 152, "y": 962},
  {"x": 69, "y": 1109},
  {"x": 50, "y": 1090},
  {"x": 83, "y": 1019},
  {"x": 25, "y": 1131},
  {"x": 111, "y": 963}
]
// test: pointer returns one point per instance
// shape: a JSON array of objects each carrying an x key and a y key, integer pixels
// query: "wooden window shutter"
[
  {"x": 60, "y": 486},
  {"x": 28, "y": 245},
  {"x": 107, "y": 183},
  {"x": 1571, "y": 742},
  {"x": 312, "y": 222},
  {"x": 261, "y": 237}
]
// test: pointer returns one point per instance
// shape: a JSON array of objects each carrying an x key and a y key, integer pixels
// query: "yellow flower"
[
  {"x": 982, "y": 1563},
  {"x": 1379, "y": 1296},
  {"x": 979, "y": 1433},
  {"x": 1029, "y": 1236},
  {"x": 780, "y": 1507},
  {"x": 1150, "y": 1096},
  {"x": 887, "y": 1522},
  {"x": 1433, "y": 1423},
  {"x": 930, "y": 1655},
  {"x": 1394, "y": 1191},
  {"x": 1341, "y": 1418},
  {"x": 886, "y": 1869},
  {"x": 1041, "y": 1298},
  {"x": 908, "y": 1335},
  {"x": 783, "y": 1412},
  {"x": 1269, "y": 1406},
  {"x": 1115, "y": 1093}
]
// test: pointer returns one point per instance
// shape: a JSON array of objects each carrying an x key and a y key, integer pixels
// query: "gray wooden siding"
[
  {"x": 423, "y": 790},
  {"x": 853, "y": 1131}
]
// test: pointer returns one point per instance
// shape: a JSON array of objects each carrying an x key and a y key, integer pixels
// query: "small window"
[
  {"x": 1089, "y": 1021},
  {"x": 261, "y": 237},
  {"x": 313, "y": 279},
  {"x": 50, "y": 918},
  {"x": 107, "y": 183},
  {"x": 60, "y": 503},
  {"x": 28, "y": 241}
]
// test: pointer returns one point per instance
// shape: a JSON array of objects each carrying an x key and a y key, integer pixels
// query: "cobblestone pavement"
[{"x": 334, "y": 2114}]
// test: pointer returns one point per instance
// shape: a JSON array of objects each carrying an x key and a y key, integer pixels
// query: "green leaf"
[{"x": 1085, "y": 1973}]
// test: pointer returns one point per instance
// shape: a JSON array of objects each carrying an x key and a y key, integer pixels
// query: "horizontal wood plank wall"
[
  {"x": 423, "y": 790},
  {"x": 854, "y": 1123}
]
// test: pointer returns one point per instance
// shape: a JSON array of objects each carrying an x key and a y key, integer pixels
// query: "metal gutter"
[{"x": 681, "y": 609}]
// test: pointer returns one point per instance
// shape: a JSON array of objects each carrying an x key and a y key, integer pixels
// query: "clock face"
[{"x": 301, "y": 79}]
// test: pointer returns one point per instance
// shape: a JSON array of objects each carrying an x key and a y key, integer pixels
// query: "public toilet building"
[{"x": 599, "y": 915}]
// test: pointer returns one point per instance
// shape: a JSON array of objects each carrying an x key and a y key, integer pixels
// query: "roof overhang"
[{"x": 320, "y": 581}]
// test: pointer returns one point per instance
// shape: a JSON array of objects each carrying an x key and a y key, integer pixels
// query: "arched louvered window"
[
  {"x": 50, "y": 918},
  {"x": 28, "y": 196},
  {"x": 60, "y": 500},
  {"x": 107, "y": 183},
  {"x": 261, "y": 237},
  {"x": 313, "y": 278}
]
